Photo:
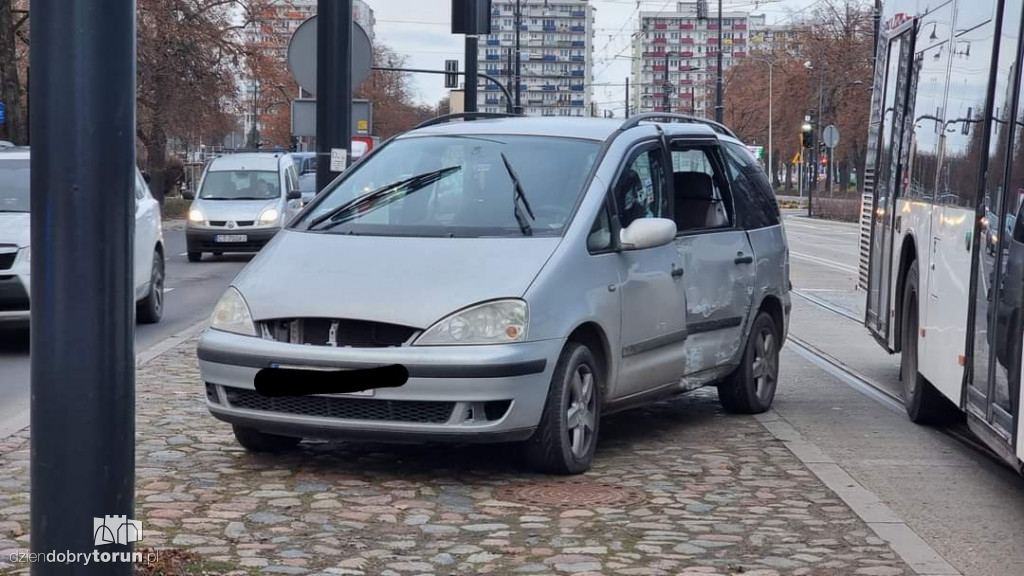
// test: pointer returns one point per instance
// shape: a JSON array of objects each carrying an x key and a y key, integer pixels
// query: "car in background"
[
  {"x": 243, "y": 200},
  {"x": 527, "y": 274},
  {"x": 16, "y": 254}
]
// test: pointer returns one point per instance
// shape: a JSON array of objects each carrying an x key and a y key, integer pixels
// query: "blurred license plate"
[
  {"x": 231, "y": 238},
  {"x": 322, "y": 369}
]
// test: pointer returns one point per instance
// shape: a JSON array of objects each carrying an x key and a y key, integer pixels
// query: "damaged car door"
[{"x": 717, "y": 258}]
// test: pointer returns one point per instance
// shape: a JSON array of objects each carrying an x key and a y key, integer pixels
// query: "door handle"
[
  {"x": 677, "y": 272},
  {"x": 743, "y": 259}
]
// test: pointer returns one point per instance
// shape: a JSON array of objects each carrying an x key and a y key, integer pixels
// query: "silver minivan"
[
  {"x": 509, "y": 280},
  {"x": 243, "y": 200}
]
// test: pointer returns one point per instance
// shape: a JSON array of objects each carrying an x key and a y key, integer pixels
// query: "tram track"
[{"x": 871, "y": 387}]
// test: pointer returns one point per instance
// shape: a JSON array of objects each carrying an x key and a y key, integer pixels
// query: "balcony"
[
  {"x": 577, "y": 73},
  {"x": 576, "y": 58},
  {"x": 658, "y": 95},
  {"x": 579, "y": 43},
  {"x": 550, "y": 28},
  {"x": 492, "y": 101},
  {"x": 659, "y": 67},
  {"x": 661, "y": 26},
  {"x": 548, "y": 88},
  {"x": 491, "y": 87},
  {"x": 686, "y": 26},
  {"x": 549, "y": 58},
  {"x": 578, "y": 28},
  {"x": 739, "y": 27},
  {"x": 576, "y": 87},
  {"x": 661, "y": 41},
  {"x": 739, "y": 40},
  {"x": 577, "y": 103},
  {"x": 739, "y": 54},
  {"x": 686, "y": 54},
  {"x": 712, "y": 26},
  {"x": 686, "y": 82},
  {"x": 578, "y": 14},
  {"x": 493, "y": 42},
  {"x": 493, "y": 57},
  {"x": 713, "y": 41},
  {"x": 686, "y": 40}
]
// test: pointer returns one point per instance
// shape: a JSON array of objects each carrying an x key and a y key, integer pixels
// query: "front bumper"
[
  {"x": 460, "y": 393},
  {"x": 205, "y": 239},
  {"x": 15, "y": 287}
]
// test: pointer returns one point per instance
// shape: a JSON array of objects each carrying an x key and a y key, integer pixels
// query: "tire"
[
  {"x": 151, "y": 308},
  {"x": 255, "y": 441},
  {"x": 195, "y": 256},
  {"x": 924, "y": 404},
  {"x": 566, "y": 439},
  {"x": 751, "y": 388}
]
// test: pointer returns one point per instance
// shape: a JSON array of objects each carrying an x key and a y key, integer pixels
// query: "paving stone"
[{"x": 723, "y": 497}]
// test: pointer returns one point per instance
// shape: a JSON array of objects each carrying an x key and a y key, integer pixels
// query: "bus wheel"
[{"x": 924, "y": 404}]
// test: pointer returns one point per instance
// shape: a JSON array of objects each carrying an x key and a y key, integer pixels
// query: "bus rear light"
[{"x": 962, "y": 359}]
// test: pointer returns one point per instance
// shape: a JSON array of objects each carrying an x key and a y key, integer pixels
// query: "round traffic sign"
[
  {"x": 302, "y": 55},
  {"x": 830, "y": 136}
]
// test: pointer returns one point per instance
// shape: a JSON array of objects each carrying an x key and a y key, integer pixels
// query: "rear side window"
[{"x": 755, "y": 201}]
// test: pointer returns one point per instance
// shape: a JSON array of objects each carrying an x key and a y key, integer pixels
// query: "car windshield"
[
  {"x": 14, "y": 186},
  {"x": 478, "y": 199},
  {"x": 240, "y": 185}
]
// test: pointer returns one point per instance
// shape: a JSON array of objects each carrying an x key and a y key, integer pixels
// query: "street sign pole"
[
  {"x": 471, "y": 70},
  {"x": 83, "y": 313},
  {"x": 334, "y": 89}
]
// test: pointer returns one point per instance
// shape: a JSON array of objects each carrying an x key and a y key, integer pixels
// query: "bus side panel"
[
  {"x": 948, "y": 293},
  {"x": 915, "y": 221}
]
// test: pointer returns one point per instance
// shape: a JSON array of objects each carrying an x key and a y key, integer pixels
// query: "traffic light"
[{"x": 807, "y": 135}]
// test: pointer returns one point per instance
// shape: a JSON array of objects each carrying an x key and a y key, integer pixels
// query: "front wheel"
[
  {"x": 566, "y": 439},
  {"x": 924, "y": 404},
  {"x": 195, "y": 256},
  {"x": 151, "y": 308},
  {"x": 751, "y": 389}
]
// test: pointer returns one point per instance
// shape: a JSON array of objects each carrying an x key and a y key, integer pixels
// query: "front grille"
[
  {"x": 223, "y": 223},
  {"x": 7, "y": 260},
  {"x": 344, "y": 408},
  {"x": 346, "y": 333},
  {"x": 13, "y": 297}
]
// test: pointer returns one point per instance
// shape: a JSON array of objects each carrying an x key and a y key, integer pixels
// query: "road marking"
[
  {"x": 183, "y": 254},
  {"x": 823, "y": 262},
  {"x": 922, "y": 558},
  {"x": 166, "y": 290},
  {"x": 20, "y": 420}
]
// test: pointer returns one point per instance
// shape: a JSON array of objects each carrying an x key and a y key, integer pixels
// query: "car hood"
[
  {"x": 235, "y": 210},
  {"x": 14, "y": 228},
  {"x": 408, "y": 281}
]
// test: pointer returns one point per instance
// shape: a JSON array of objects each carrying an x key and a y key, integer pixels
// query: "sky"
[{"x": 421, "y": 31}]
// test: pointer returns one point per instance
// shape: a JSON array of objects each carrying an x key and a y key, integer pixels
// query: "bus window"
[{"x": 931, "y": 65}]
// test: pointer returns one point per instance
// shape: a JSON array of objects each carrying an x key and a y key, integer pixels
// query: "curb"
[
  {"x": 886, "y": 524},
  {"x": 20, "y": 421}
]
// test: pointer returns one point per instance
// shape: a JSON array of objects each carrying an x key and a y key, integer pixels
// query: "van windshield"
[
  {"x": 240, "y": 185},
  {"x": 14, "y": 186},
  {"x": 473, "y": 195}
]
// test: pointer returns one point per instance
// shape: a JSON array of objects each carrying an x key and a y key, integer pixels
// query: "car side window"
[
  {"x": 140, "y": 188},
  {"x": 755, "y": 201},
  {"x": 701, "y": 203},
  {"x": 641, "y": 191}
]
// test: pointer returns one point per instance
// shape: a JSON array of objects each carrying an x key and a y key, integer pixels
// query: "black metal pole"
[
  {"x": 472, "y": 66},
  {"x": 508, "y": 88},
  {"x": 719, "y": 87},
  {"x": 627, "y": 96},
  {"x": 665, "y": 97},
  {"x": 333, "y": 85},
  {"x": 83, "y": 312},
  {"x": 519, "y": 57}
]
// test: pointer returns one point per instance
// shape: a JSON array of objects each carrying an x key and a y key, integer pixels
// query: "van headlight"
[
  {"x": 497, "y": 322},
  {"x": 269, "y": 216},
  {"x": 196, "y": 216},
  {"x": 231, "y": 314},
  {"x": 26, "y": 254}
]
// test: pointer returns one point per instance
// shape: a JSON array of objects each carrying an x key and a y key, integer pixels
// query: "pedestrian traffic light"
[{"x": 807, "y": 135}]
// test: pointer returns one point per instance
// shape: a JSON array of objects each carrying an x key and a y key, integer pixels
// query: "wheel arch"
[
  {"x": 591, "y": 335},
  {"x": 772, "y": 305}
]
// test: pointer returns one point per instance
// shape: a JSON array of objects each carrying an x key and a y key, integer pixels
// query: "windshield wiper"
[
  {"x": 519, "y": 197},
  {"x": 380, "y": 197}
]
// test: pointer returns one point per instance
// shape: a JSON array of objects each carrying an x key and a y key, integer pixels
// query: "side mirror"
[
  {"x": 188, "y": 194},
  {"x": 646, "y": 233},
  {"x": 294, "y": 195}
]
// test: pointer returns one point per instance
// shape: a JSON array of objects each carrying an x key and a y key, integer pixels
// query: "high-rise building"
[
  {"x": 556, "y": 56},
  {"x": 675, "y": 55}
]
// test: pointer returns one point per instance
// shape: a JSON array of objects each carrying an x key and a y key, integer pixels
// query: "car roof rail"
[
  {"x": 635, "y": 120},
  {"x": 463, "y": 115}
]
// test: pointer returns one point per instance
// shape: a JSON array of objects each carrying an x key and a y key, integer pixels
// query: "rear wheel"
[
  {"x": 255, "y": 441},
  {"x": 151, "y": 308},
  {"x": 924, "y": 404},
  {"x": 566, "y": 439},
  {"x": 751, "y": 389},
  {"x": 195, "y": 256}
]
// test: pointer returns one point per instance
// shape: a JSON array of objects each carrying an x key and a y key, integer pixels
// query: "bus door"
[{"x": 887, "y": 169}]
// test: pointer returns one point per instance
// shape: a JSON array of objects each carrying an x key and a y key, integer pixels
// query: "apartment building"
[{"x": 556, "y": 39}]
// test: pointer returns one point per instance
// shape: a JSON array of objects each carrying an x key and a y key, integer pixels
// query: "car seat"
[{"x": 696, "y": 206}]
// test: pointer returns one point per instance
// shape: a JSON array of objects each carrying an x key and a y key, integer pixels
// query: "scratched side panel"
[{"x": 771, "y": 259}]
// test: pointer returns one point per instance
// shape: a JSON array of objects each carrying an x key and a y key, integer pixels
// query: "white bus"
[{"x": 942, "y": 247}]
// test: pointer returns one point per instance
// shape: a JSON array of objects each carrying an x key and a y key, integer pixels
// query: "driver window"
[
  {"x": 641, "y": 190},
  {"x": 699, "y": 200}
]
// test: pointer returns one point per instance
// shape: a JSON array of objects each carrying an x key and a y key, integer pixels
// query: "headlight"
[
  {"x": 269, "y": 216},
  {"x": 196, "y": 215},
  {"x": 498, "y": 322},
  {"x": 26, "y": 254},
  {"x": 231, "y": 314}
]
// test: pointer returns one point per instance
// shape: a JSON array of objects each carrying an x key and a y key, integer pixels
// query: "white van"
[{"x": 242, "y": 202}]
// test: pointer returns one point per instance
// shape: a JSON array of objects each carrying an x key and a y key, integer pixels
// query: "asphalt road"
[
  {"x": 967, "y": 506},
  {"x": 192, "y": 292}
]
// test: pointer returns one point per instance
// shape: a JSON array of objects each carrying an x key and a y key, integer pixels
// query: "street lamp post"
[{"x": 771, "y": 93}]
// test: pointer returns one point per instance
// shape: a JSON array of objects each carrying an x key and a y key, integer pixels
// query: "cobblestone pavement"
[{"x": 721, "y": 496}]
